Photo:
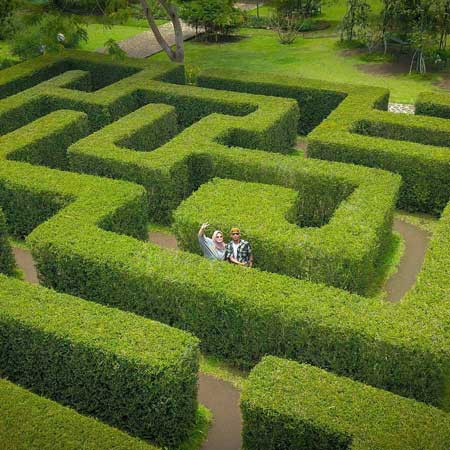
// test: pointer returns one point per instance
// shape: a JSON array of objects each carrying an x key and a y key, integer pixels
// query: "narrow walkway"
[
  {"x": 145, "y": 44},
  {"x": 416, "y": 244},
  {"x": 222, "y": 399}
]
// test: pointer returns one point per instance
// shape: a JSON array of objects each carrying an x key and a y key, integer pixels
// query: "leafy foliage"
[
  {"x": 218, "y": 18},
  {"x": 288, "y": 405},
  {"x": 47, "y": 33}
]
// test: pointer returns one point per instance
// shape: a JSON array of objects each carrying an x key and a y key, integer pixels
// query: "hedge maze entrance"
[{"x": 92, "y": 149}]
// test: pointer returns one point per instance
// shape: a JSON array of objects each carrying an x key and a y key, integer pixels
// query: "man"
[{"x": 238, "y": 251}]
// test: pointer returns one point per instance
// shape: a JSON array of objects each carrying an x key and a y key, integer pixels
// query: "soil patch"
[
  {"x": 416, "y": 244},
  {"x": 223, "y": 400},
  {"x": 25, "y": 262},
  {"x": 352, "y": 52},
  {"x": 444, "y": 84},
  {"x": 302, "y": 145},
  {"x": 399, "y": 67},
  {"x": 164, "y": 240}
]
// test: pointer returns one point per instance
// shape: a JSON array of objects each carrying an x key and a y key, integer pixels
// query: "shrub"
[
  {"x": 6, "y": 257},
  {"x": 33, "y": 422},
  {"x": 316, "y": 99},
  {"x": 433, "y": 104},
  {"x": 89, "y": 248},
  {"x": 288, "y": 405},
  {"x": 173, "y": 171},
  {"x": 218, "y": 18},
  {"x": 130, "y": 372},
  {"x": 410, "y": 146},
  {"x": 333, "y": 254}
]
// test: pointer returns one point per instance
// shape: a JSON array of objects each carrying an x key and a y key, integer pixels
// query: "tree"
[
  {"x": 171, "y": 10},
  {"x": 356, "y": 17},
  {"x": 117, "y": 10},
  {"x": 6, "y": 11},
  {"x": 46, "y": 33},
  {"x": 302, "y": 8},
  {"x": 217, "y": 18}
]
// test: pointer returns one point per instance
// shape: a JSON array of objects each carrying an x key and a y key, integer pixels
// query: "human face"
[
  {"x": 236, "y": 236},
  {"x": 219, "y": 238}
]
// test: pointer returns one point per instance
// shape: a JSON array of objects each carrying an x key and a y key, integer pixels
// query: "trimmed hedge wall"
[
  {"x": 171, "y": 172},
  {"x": 30, "y": 422},
  {"x": 433, "y": 104},
  {"x": 130, "y": 372},
  {"x": 268, "y": 217},
  {"x": 316, "y": 99},
  {"x": 89, "y": 249},
  {"x": 286, "y": 405},
  {"x": 6, "y": 257},
  {"x": 344, "y": 112}
]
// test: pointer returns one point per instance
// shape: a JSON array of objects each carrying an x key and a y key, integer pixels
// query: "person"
[
  {"x": 238, "y": 251},
  {"x": 213, "y": 248}
]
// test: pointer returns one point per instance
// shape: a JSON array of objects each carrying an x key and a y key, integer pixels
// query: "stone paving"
[
  {"x": 145, "y": 44},
  {"x": 402, "y": 108}
]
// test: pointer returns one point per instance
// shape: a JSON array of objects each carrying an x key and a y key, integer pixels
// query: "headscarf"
[{"x": 219, "y": 245}]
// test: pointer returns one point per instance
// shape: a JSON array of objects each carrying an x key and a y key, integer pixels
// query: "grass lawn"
[
  {"x": 99, "y": 34},
  {"x": 318, "y": 58}
]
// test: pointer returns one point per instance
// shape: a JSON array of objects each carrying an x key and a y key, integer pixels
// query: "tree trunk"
[{"x": 176, "y": 55}]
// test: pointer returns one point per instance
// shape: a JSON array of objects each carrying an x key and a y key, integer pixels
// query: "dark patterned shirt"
[{"x": 244, "y": 251}]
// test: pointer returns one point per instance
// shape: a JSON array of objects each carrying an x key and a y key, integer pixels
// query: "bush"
[
  {"x": 316, "y": 99},
  {"x": 33, "y": 422},
  {"x": 334, "y": 254},
  {"x": 6, "y": 258},
  {"x": 433, "y": 104},
  {"x": 130, "y": 372},
  {"x": 420, "y": 159},
  {"x": 89, "y": 248},
  {"x": 218, "y": 18},
  {"x": 269, "y": 125},
  {"x": 288, "y": 405}
]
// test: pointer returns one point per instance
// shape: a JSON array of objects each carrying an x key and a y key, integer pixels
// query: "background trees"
[{"x": 422, "y": 26}]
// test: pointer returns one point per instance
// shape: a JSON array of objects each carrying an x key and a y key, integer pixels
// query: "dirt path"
[
  {"x": 223, "y": 400},
  {"x": 221, "y": 397},
  {"x": 25, "y": 262},
  {"x": 416, "y": 244},
  {"x": 164, "y": 240}
]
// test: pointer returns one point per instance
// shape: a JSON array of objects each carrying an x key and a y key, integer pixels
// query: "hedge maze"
[{"x": 93, "y": 149}]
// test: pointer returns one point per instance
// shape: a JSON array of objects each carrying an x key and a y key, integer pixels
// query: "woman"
[{"x": 213, "y": 248}]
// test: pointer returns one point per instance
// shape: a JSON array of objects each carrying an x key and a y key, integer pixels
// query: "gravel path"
[
  {"x": 145, "y": 44},
  {"x": 402, "y": 108}
]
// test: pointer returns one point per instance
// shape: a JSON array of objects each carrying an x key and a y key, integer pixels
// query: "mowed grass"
[
  {"x": 317, "y": 58},
  {"x": 98, "y": 34}
]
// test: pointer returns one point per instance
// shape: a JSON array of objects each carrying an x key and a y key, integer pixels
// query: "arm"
[{"x": 201, "y": 232}]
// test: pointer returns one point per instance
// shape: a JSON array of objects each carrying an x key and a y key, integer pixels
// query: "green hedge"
[
  {"x": 6, "y": 257},
  {"x": 316, "y": 99},
  {"x": 89, "y": 248},
  {"x": 30, "y": 422},
  {"x": 406, "y": 145},
  {"x": 130, "y": 372},
  {"x": 268, "y": 217},
  {"x": 348, "y": 128},
  {"x": 47, "y": 84},
  {"x": 286, "y": 405},
  {"x": 433, "y": 104},
  {"x": 173, "y": 171}
]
